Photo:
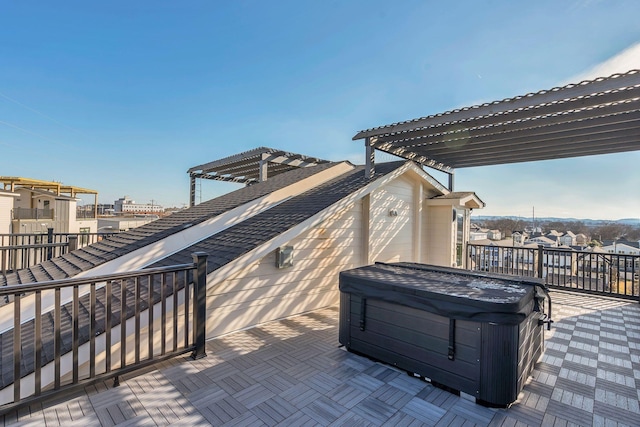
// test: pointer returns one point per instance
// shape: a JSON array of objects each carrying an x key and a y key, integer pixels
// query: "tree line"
[{"x": 597, "y": 232}]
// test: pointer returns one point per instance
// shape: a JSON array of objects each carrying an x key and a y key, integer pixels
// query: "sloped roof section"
[
  {"x": 592, "y": 117},
  {"x": 245, "y": 167},
  {"x": 238, "y": 240},
  {"x": 119, "y": 244}
]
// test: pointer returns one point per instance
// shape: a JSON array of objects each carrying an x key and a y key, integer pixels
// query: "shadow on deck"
[{"x": 292, "y": 372}]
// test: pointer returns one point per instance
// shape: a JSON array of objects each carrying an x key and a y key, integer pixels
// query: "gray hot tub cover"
[{"x": 448, "y": 292}]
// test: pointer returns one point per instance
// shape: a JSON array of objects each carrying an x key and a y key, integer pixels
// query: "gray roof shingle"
[
  {"x": 126, "y": 242},
  {"x": 223, "y": 248}
]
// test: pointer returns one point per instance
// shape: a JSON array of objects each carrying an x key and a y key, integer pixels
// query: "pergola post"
[
  {"x": 370, "y": 158},
  {"x": 451, "y": 180},
  {"x": 192, "y": 191}
]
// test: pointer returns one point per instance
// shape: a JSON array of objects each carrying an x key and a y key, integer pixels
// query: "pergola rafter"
[
  {"x": 249, "y": 167},
  {"x": 597, "y": 116}
]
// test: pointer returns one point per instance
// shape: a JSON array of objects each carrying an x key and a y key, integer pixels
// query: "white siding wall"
[
  {"x": 439, "y": 237},
  {"x": 6, "y": 205},
  {"x": 261, "y": 292},
  {"x": 64, "y": 215},
  {"x": 392, "y": 236}
]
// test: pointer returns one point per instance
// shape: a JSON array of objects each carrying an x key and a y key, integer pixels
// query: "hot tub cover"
[{"x": 449, "y": 292}]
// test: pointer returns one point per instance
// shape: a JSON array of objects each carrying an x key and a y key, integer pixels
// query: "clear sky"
[{"x": 124, "y": 96}]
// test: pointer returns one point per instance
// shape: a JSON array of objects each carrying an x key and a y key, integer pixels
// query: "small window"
[{"x": 84, "y": 240}]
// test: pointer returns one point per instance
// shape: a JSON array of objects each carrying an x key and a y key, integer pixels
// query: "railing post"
[
  {"x": 200, "y": 299},
  {"x": 73, "y": 243},
  {"x": 540, "y": 261},
  {"x": 50, "y": 241}
]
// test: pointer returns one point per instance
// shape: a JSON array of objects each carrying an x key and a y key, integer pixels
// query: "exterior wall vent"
[{"x": 284, "y": 257}]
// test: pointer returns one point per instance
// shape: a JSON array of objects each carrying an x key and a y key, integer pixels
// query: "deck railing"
[
  {"x": 594, "y": 272},
  {"x": 32, "y": 213},
  {"x": 68, "y": 333},
  {"x": 19, "y": 251}
]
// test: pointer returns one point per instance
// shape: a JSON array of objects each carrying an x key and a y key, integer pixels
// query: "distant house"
[
  {"x": 581, "y": 239},
  {"x": 621, "y": 249},
  {"x": 34, "y": 206},
  {"x": 494, "y": 234},
  {"x": 475, "y": 235},
  {"x": 519, "y": 237},
  {"x": 544, "y": 241},
  {"x": 568, "y": 239},
  {"x": 553, "y": 233}
]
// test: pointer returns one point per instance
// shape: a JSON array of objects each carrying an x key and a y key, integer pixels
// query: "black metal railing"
[
  {"x": 69, "y": 333},
  {"x": 19, "y": 251},
  {"x": 588, "y": 271},
  {"x": 32, "y": 213}
]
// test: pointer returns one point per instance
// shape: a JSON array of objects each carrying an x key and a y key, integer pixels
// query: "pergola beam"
[
  {"x": 544, "y": 97},
  {"x": 249, "y": 167},
  {"x": 592, "y": 117}
]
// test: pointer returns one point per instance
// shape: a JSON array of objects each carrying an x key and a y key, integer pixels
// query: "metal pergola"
[
  {"x": 249, "y": 167},
  {"x": 592, "y": 117}
]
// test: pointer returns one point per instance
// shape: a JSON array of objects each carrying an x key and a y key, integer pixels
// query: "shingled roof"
[
  {"x": 120, "y": 244},
  {"x": 228, "y": 245},
  {"x": 223, "y": 248}
]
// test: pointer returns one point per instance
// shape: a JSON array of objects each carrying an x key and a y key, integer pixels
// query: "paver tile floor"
[{"x": 293, "y": 372}]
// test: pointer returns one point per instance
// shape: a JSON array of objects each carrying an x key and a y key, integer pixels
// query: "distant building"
[
  {"x": 544, "y": 241},
  {"x": 125, "y": 205},
  {"x": 568, "y": 239},
  {"x": 581, "y": 239},
  {"x": 494, "y": 234},
  {"x": 621, "y": 249},
  {"x": 33, "y": 206},
  {"x": 519, "y": 237}
]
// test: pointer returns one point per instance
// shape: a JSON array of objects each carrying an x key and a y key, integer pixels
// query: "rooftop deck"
[{"x": 292, "y": 372}]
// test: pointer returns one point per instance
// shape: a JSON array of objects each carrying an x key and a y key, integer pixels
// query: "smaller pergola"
[
  {"x": 592, "y": 117},
  {"x": 249, "y": 167},
  {"x": 10, "y": 183}
]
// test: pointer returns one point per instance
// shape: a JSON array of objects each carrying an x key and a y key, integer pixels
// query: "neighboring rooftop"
[{"x": 11, "y": 182}]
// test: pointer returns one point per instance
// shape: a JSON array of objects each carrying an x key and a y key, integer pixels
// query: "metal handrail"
[
  {"x": 27, "y": 250},
  {"x": 141, "y": 306},
  {"x": 52, "y": 284},
  {"x": 610, "y": 274}
]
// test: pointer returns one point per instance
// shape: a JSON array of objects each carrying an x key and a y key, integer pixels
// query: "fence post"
[
  {"x": 49, "y": 241},
  {"x": 200, "y": 300},
  {"x": 73, "y": 243},
  {"x": 540, "y": 255}
]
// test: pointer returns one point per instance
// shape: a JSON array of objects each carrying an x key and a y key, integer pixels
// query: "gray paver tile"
[{"x": 596, "y": 380}]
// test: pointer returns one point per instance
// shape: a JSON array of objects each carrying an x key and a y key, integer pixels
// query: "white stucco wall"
[
  {"x": 391, "y": 223},
  {"x": 439, "y": 235},
  {"x": 260, "y": 292},
  {"x": 6, "y": 205}
]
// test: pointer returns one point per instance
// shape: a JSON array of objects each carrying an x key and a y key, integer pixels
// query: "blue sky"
[{"x": 123, "y": 97}]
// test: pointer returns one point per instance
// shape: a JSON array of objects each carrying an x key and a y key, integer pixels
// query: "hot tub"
[{"x": 477, "y": 333}]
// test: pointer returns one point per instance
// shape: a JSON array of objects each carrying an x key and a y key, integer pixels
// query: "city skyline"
[{"x": 124, "y": 98}]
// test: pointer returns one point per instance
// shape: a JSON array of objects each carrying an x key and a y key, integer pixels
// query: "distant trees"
[
  {"x": 614, "y": 231},
  {"x": 505, "y": 225}
]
